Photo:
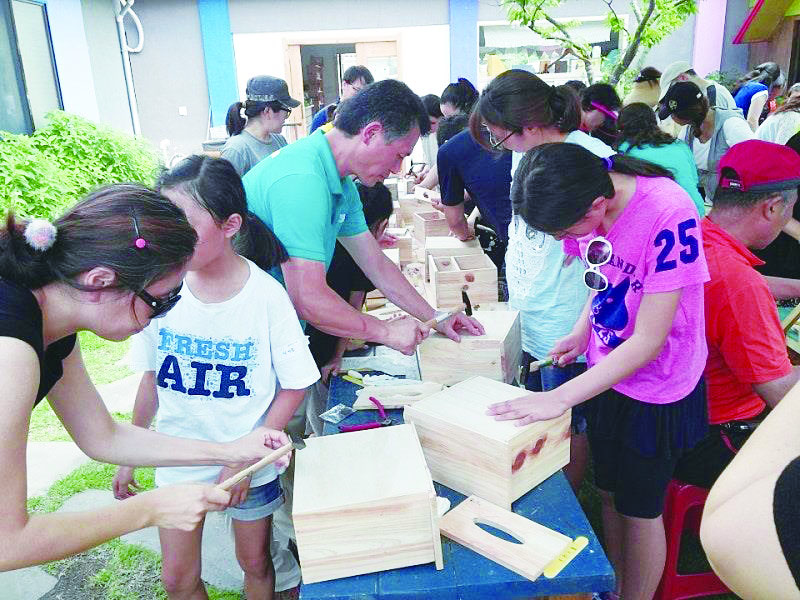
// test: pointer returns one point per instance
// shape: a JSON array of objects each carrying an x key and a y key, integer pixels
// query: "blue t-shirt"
[
  {"x": 548, "y": 295},
  {"x": 298, "y": 193},
  {"x": 463, "y": 164},
  {"x": 746, "y": 93},
  {"x": 676, "y": 157},
  {"x": 320, "y": 118}
]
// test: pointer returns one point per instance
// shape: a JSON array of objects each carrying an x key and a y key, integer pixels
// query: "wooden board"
[
  {"x": 407, "y": 207},
  {"x": 427, "y": 195},
  {"x": 474, "y": 273},
  {"x": 539, "y": 544},
  {"x": 395, "y": 396},
  {"x": 404, "y": 243},
  {"x": 473, "y": 453},
  {"x": 429, "y": 224},
  {"x": 364, "y": 502},
  {"x": 393, "y": 254},
  {"x": 495, "y": 355}
]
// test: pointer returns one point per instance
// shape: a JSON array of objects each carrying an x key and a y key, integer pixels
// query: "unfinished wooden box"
[
  {"x": 404, "y": 243},
  {"x": 429, "y": 224},
  {"x": 474, "y": 273},
  {"x": 446, "y": 245},
  {"x": 364, "y": 502},
  {"x": 495, "y": 355},
  {"x": 472, "y": 453},
  {"x": 408, "y": 206}
]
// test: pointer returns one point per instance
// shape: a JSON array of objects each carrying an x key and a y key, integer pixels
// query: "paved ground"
[{"x": 47, "y": 462}]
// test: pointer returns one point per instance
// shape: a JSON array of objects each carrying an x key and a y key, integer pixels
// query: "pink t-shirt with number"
[{"x": 656, "y": 247}]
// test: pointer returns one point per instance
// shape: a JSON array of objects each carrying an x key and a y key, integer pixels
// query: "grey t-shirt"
[{"x": 245, "y": 150}]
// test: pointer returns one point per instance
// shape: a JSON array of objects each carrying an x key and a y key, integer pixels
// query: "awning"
[{"x": 762, "y": 21}]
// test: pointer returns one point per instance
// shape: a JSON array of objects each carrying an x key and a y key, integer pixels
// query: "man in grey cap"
[
  {"x": 681, "y": 70},
  {"x": 256, "y": 134}
]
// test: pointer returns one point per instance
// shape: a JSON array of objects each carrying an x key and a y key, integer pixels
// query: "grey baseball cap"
[
  {"x": 266, "y": 88},
  {"x": 670, "y": 73}
]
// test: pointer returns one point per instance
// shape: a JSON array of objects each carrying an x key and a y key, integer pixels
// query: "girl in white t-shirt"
[{"x": 231, "y": 357}]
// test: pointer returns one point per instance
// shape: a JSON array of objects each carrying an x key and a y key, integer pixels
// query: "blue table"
[{"x": 468, "y": 575}]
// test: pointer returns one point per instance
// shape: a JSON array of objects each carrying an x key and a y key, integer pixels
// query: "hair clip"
[
  {"x": 139, "y": 242},
  {"x": 609, "y": 163},
  {"x": 40, "y": 234}
]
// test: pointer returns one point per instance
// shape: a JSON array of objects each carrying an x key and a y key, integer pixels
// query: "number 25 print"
[{"x": 666, "y": 238}]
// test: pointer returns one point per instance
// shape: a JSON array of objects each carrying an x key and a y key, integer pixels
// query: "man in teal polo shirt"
[{"x": 305, "y": 194}]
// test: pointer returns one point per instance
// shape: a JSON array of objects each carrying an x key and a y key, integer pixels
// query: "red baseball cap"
[{"x": 759, "y": 166}]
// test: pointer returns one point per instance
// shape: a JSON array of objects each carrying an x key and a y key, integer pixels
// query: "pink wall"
[{"x": 709, "y": 34}]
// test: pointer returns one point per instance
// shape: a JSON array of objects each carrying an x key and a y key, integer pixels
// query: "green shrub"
[{"x": 48, "y": 171}]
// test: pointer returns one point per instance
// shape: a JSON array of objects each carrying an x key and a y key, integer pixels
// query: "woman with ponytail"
[
  {"x": 642, "y": 330},
  {"x": 518, "y": 111},
  {"x": 254, "y": 126},
  {"x": 109, "y": 265},
  {"x": 231, "y": 358}
]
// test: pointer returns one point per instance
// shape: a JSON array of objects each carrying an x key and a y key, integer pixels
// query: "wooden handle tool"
[
  {"x": 269, "y": 458},
  {"x": 434, "y": 321},
  {"x": 545, "y": 362}
]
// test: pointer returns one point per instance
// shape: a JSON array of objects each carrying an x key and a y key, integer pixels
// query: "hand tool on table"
[
  {"x": 465, "y": 305},
  {"x": 384, "y": 422},
  {"x": 268, "y": 459}
]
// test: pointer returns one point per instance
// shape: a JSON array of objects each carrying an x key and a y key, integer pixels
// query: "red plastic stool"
[{"x": 683, "y": 508}]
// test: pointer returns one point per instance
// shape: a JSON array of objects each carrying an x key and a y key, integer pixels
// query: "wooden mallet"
[{"x": 269, "y": 458}]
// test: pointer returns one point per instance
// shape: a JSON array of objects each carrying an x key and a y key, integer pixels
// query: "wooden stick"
[
  {"x": 431, "y": 322},
  {"x": 269, "y": 458},
  {"x": 545, "y": 362}
]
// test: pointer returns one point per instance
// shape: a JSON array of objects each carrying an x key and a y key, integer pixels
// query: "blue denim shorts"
[
  {"x": 261, "y": 502},
  {"x": 549, "y": 378}
]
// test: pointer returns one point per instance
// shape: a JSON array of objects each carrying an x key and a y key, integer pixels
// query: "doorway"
[{"x": 315, "y": 69}]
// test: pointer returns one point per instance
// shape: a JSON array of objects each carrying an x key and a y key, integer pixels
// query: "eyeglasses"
[
  {"x": 598, "y": 253},
  {"x": 161, "y": 306},
  {"x": 496, "y": 145},
  {"x": 288, "y": 109}
]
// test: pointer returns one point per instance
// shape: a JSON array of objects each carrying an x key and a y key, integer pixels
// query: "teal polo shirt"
[{"x": 298, "y": 193}]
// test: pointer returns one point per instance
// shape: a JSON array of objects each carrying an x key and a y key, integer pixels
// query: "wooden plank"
[
  {"x": 395, "y": 396},
  {"x": 539, "y": 545},
  {"x": 362, "y": 503},
  {"x": 427, "y": 195}
]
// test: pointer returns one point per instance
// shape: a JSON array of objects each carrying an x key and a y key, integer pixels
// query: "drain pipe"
[{"x": 123, "y": 8}]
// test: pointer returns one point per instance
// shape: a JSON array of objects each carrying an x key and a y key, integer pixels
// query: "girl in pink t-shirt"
[{"x": 642, "y": 330}]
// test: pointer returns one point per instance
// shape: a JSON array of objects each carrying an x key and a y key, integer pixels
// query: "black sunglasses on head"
[{"x": 161, "y": 306}]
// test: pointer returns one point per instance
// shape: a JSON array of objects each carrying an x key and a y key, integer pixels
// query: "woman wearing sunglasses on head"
[
  {"x": 642, "y": 330},
  {"x": 108, "y": 265}
]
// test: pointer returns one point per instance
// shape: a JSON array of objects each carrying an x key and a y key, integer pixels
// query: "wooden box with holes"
[
  {"x": 364, "y": 502},
  {"x": 446, "y": 245},
  {"x": 430, "y": 224},
  {"x": 474, "y": 273},
  {"x": 472, "y": 453},
  {"x": 408, "y": 206}
]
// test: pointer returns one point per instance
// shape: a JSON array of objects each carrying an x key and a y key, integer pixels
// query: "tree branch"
[
  {"x": 633, "y": 44},
  {"x": 585, "y": 59},
  {"x": 616, "y": 16}
]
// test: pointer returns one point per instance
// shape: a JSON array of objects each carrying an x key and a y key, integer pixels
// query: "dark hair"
[
  {"x": 377, "y": 203},
  {"x": 216, "y": 186},
  {"x": 601, "y": 93},
  {"x": 235, "y": 123},
  {"x": 462, "y": 95},
  {"x": 768, "y": 73},
  {"x": 432, "y": 105},
  {"x": 99, "y": 231},
  {"x": 449, "y": 127},
  {"x": 389, "y": 102},
  {"x": 517, "y": 99},
  {"x": 637, "y": 125},
  {"x": 695, "y": 113},
  {"x": 555, "y": 184},
  {"x": 576, "y": 84},
  {"x": 648, "y": 74},
  {"x": 356, "y": 72}
]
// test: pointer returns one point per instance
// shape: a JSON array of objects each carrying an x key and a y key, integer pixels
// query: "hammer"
[{"x": 466, "y": 306}]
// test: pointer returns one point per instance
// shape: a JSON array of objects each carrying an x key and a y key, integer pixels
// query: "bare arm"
[
  {"x": 773, "y": 391},
  {"x": 38, "y": 538},
  {"x": 77, "y": 403},
  {"x": 457, "y": 221},
  {"x": 746, "y": 487},
  {"x": 754, "y": 112},
  {"x": 283, "y": 408},
  {"x": 792, "y": 228},
  {"x": 783, "y": 287},
  {"x": 431, "y": 180},
  {"x": 653, "y": 323}
]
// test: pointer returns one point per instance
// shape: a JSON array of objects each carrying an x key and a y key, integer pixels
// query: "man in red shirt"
[{"x": 748, "y": 365}]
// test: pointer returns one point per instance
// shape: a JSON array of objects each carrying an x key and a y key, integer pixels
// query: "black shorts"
[{"x": 635, "y": 446}]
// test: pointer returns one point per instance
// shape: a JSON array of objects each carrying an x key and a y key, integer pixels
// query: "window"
[{"x": 26, "y": 57}]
